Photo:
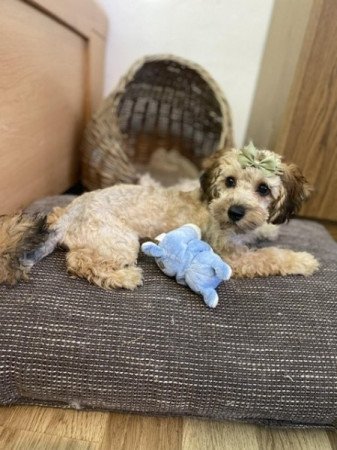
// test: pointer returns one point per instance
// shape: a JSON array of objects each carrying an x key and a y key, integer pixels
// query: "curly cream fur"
[{"x": 102, "y": 229}]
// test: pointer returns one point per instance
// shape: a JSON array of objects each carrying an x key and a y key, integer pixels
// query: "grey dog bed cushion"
[{"x": 266, "y": 354}]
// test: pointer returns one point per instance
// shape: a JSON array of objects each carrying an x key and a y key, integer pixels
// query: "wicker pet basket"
[{"x": 162, "y": 102}]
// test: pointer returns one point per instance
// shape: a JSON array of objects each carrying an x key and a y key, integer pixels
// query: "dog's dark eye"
[
  {"x": 230, "y": 182},
  {"x": 263, "y": 189}
]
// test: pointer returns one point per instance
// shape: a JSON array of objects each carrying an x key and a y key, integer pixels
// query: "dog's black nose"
[{"x": 236, "y": 212}]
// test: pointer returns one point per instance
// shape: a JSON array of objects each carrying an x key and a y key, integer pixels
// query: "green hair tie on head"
[{"x": 248, "y": 157}]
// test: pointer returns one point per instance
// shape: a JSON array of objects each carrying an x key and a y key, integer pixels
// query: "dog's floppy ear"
[
  {"x": 208, "y": 182},
  {"x": 211, "y": 166},
  {"x": 294, "y": 191}
]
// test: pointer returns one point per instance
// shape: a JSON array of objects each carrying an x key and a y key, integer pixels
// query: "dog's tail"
[{"x": 24, "y": 240}]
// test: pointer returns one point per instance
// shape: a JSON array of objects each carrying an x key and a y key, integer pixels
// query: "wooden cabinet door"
[
  {"x": 51, "y": 72},
  {"x": 305, "y": 130}
]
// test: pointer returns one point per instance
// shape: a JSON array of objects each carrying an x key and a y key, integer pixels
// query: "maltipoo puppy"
[{"x": 242, "y": 192}]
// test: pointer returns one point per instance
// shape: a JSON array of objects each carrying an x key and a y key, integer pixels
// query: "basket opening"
[{"x": 169, "y": 105}]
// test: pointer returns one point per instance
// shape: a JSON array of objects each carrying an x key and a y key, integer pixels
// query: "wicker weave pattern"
[
  {"x": 163, "y": 101},
  {"x": 267, "y": 353}
]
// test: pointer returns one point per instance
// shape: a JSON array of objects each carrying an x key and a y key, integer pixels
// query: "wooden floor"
[{"x": 32, "y": 427}]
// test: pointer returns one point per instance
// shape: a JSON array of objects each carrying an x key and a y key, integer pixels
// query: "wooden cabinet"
[
  {"x": 295, "y": 106},
  {"x": 51, "y": 72}
]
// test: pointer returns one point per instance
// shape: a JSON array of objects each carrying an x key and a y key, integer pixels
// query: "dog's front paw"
[
  {"x": 302, "y": 263},
  {"x": 132, "y": 277},
  {"x": 267, "y": 232}
]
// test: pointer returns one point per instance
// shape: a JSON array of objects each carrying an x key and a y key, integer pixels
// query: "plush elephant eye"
[
  {"x": 263, "y": 190},
  {"x": 230, "y": 182}
]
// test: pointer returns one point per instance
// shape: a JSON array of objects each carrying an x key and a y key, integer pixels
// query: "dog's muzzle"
[{"x": 236, "y": 213}]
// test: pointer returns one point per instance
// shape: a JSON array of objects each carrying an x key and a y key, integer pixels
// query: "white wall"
[{"x": 225, "y": 36}]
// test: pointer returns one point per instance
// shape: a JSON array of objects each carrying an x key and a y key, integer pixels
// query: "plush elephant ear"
[
  {"x": 152, "y": 249},
  {"x": 223, "y": 270}
]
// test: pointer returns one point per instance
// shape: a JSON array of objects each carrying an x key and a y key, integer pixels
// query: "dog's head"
[{"x": 246, "y": 188}]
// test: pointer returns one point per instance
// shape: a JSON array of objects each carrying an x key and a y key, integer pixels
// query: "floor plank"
[
  {"x": 13, "y": 439},
  {"x": 332, "y": 435},
  {"x": 82, "y": 425},
  {"x": 6, "y": 412},
  {"x": 294, "y": 439},
  {"x": 206, "y": 435},
  {"x": 133, "y": 432}
]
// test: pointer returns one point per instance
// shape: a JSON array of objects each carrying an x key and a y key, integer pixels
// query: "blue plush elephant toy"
[{"x": 182, "y": 254}]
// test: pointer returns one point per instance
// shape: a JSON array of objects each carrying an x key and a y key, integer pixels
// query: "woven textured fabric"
[{"x": 267, "y": 353}]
